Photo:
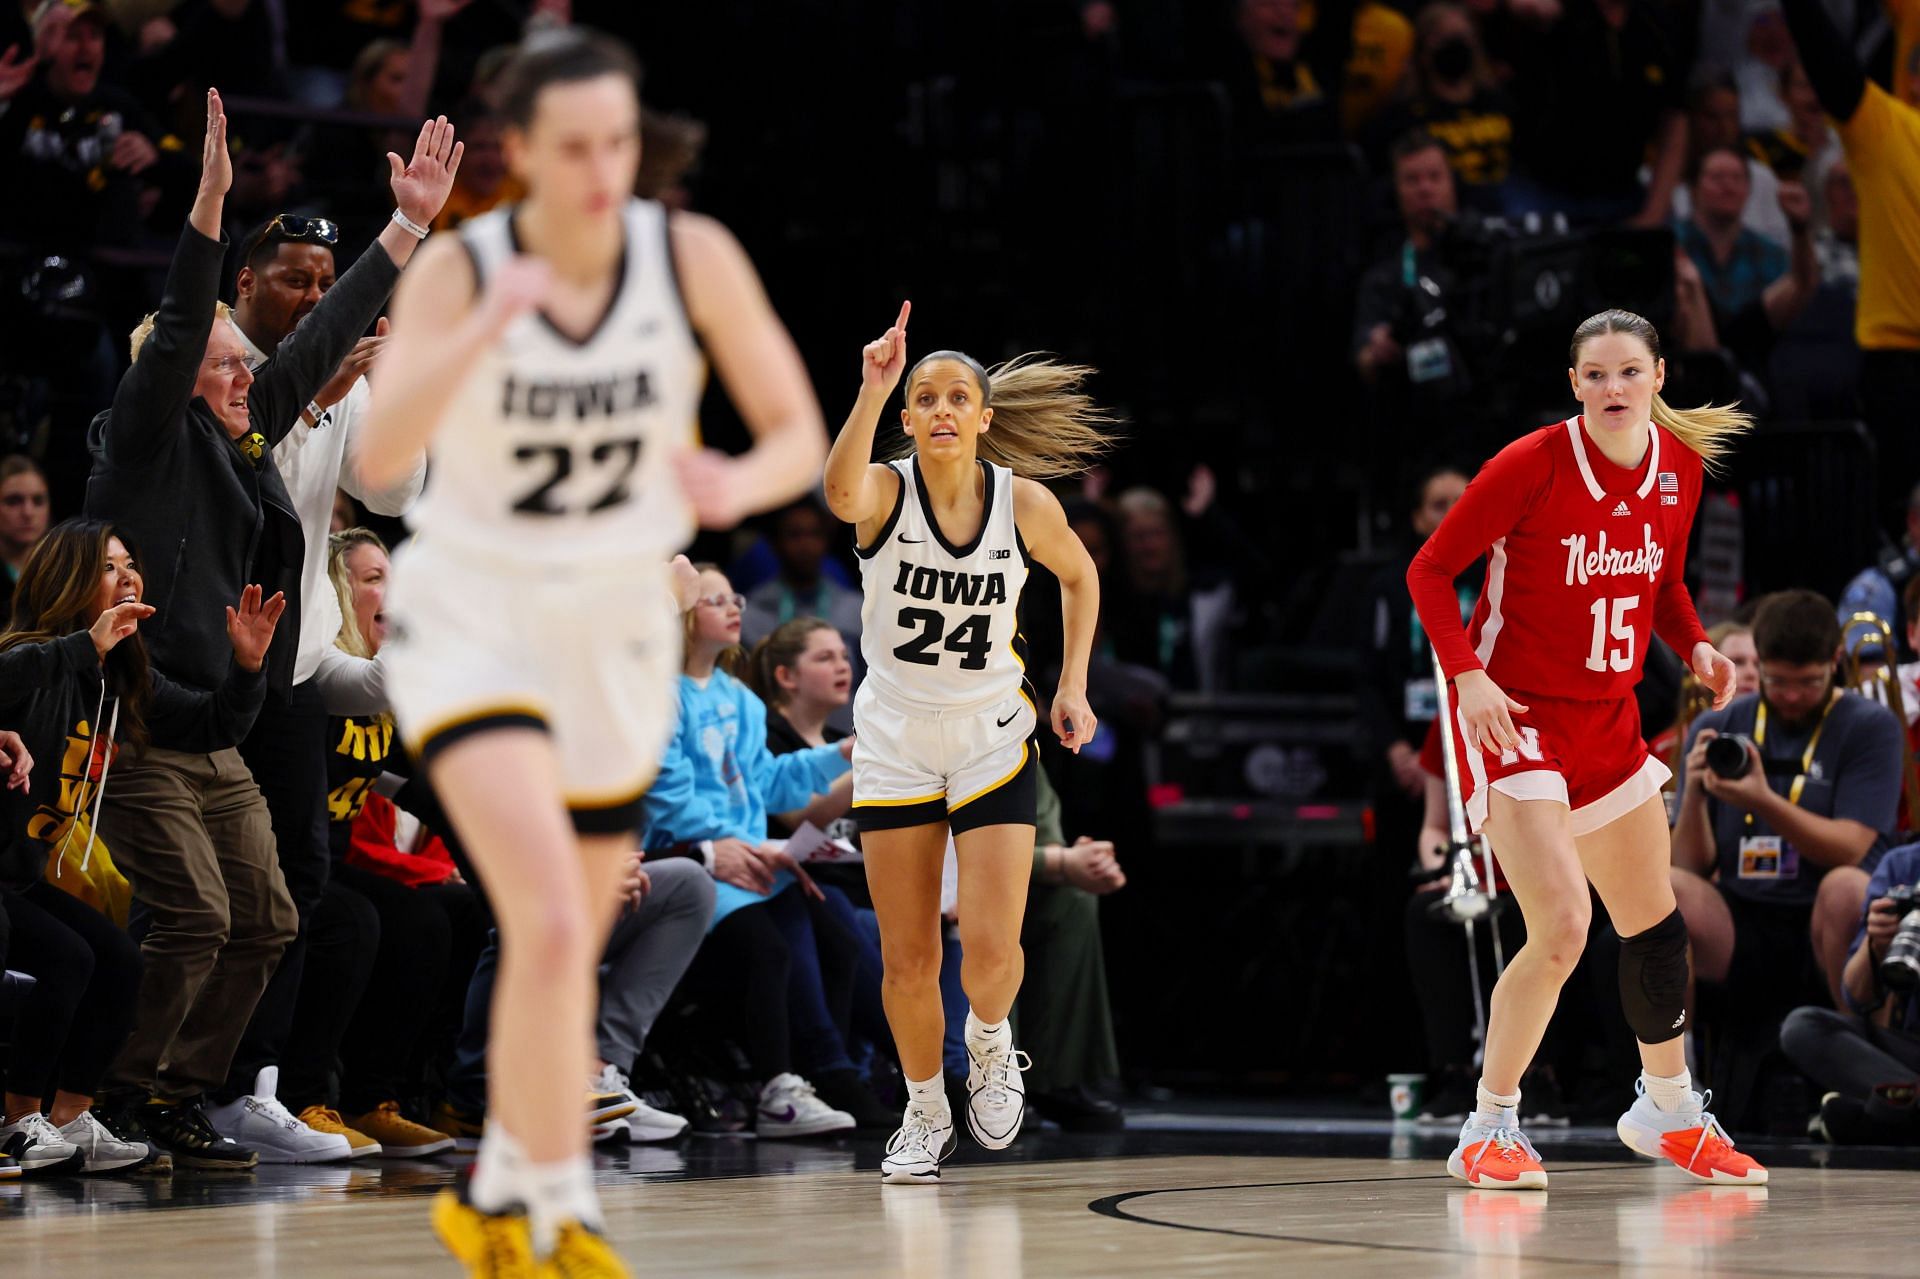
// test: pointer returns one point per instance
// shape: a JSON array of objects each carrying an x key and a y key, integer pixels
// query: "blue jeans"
[{"x": 820, "y": 978}]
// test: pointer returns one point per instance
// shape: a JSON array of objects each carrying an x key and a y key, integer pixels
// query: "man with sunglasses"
[
  {"x": 1819, "y": 791},
  {"x": 183, "y": 463}
]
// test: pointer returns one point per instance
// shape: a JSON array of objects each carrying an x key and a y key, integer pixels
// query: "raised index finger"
[{"x": 906, "y": 308}]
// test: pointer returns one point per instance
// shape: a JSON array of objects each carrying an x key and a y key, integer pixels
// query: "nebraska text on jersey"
[{"x": 1612, "y": 561}]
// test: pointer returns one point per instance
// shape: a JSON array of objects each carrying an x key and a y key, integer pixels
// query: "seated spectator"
[
  {"x": 484, "y": 181},
  {"x": 23, "y": 521},
  {"x": 773, "y": 958},
  {"x": 803, "y": 672},
  {"x": 1611, "y": 51},
  {"x": 76, "y": 683},
  {"x": 798, "y": 535},
  {"x": 1379, "y": 47},
  {"x": 1713, "y": 124},
  {"x": 1456, "y": 102},
  {"x": 1283, "y": 88},
  {"x": 1819, "y": 792},
  {"x": 1869, "y": 1056},
  {"x": 1880, "y": 589},
  {"x": 86, "y": 149},
  {"x": 1176, "y": 620},
  {"x": 1838, "y": 240},
  {"x": 1756, "y": 287}
]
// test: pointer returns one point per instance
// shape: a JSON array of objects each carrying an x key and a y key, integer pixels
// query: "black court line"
[{"x": 1111, "y": 1206}]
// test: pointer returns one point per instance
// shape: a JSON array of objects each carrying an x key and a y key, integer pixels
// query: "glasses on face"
[
  {"x": 721, "y": 601},
  {"x": 1795, "y": 683},
  {"x": 295, "y": 229},
  {"x": 225, "y": 364}
]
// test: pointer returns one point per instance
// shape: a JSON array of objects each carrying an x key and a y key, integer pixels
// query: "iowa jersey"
[
  {"x": 939, "y": 622},
  {"x": 555, "y": 448}
]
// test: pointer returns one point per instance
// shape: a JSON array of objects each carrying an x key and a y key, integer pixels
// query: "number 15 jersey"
[
  {"x": 939, "y": 626},
  {"x": 1586, "y": 562},
  {"x": 555, "y": 448}
]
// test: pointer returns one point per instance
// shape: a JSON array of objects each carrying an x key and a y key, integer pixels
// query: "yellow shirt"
[
  {"x": 463, "y": 203},
  {"x": 1883, "y": 152},
  {"x": 1377, "y": 63}
]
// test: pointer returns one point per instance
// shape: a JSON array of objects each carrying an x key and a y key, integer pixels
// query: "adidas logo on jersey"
[{"x": 1623, "y": 509}]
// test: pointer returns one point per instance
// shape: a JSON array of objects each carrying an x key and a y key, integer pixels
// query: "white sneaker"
[
  {"x": 914, "y": 1153},
  {"x": 996, "y": 1095},
  {"x": 261, "y": 1123},
  {"x": 100, "y": 1149},
  {"x": 1690, "y": 1138},
  {"x": 1494, "y": 1154},
  {"x": 37, "y": 1146},
  {"x": 645, "y": 1123},
  {"x": 789, "y": 1108}
]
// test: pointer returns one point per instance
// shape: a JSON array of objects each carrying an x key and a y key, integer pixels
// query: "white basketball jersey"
[
  {"x": 560, "y": 449},
  {"x": 939, "y": 625}
]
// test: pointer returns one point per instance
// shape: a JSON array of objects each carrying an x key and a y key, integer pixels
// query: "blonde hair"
[
  {"x": 144, "y": 330},
  {"x": 339, "y": 546},
  {"x": 733, "y": 659},
  {"x": 1708, "y": 430},
  {"x": 1044, "y": 426}
]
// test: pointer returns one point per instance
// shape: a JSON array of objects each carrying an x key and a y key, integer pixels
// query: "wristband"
[
  {"x": 706, "y": 854},
  {"x": 408, "y": 225}
]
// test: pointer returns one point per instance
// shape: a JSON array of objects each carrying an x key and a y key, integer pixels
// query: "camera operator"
[
  {"x": 1869, "y": 1060},
  {"x": 1776, "y": 789},
  {"x": 1423, "y": 188}
]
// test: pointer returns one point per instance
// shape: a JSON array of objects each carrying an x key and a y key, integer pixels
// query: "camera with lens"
[
  {"x": 1728, "y": 755},
  {"x": 1900, "y": 966}
]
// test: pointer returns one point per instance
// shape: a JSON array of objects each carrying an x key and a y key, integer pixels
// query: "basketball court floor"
[{"x": 1188, "y": 1195}]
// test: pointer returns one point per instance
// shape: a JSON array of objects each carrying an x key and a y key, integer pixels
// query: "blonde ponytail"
[
  {"x": 1708, "y": 430},
  {"x": 1044, "y": 425}
]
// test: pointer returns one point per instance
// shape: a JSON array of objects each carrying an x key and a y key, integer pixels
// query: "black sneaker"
[
  {"x": 181, "y": 1129},
  {"x": 1079, "y": 1109},
  {"x": 121, "y": 1117},
  {"x": 1884, "y": 1118},
  {"x": 1450, "y": 1103},
  {"x": 844, "y": 1090}
]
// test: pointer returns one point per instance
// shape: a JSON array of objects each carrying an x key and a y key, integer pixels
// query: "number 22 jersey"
[
  {"x": 939, "y": 625},
  {"x": 556, "y": 448},
  {"x": 1585, "y": 563}
]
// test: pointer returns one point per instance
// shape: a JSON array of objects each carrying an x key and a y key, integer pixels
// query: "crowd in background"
[{"x": 1326, "y": 255}]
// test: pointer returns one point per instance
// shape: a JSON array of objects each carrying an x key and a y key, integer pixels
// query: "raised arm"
[
  {"x": 859, "y": 490},
  {"x": 1054, "y": 545},
  {"x": 762, "y": 372},
  {"x": 1837, "y": 78},
  {"x": 309, "y": 357},
  {"x": 153, "y": 394},
  {"x": 1787, "y": 296}
]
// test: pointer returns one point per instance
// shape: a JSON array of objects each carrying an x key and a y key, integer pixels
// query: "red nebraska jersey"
[{"x": 1585, "y": 563}]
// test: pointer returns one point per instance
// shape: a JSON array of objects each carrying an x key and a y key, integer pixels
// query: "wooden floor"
[{"x": 795, "y": 1214}]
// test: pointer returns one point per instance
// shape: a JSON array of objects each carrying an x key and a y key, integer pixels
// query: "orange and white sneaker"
[
  {"x": 1496, "y": 1155},
  {"x": 1691, "y": 1139}
]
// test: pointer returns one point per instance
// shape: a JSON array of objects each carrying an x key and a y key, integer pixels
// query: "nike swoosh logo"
[
  {"x": 779, "y": 1119},
  {"x": 913, "y": 541},
  {"x": 1002, "y": 723}
]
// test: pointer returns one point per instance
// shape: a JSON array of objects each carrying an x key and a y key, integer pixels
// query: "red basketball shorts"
[{"x": 1587, "y": 755}]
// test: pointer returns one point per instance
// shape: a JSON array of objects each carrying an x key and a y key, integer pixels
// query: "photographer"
[
  {"x": 1423, "y": 188},
  {"x": 1868, "y": 1060},
  {"x": 1806, "y": 777}
]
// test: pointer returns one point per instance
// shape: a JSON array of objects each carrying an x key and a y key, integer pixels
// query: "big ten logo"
[
  {"x": 82, "y": 764},
  {"x": 1000, "y": 553},
  {"x": 1529, "y": 748}
]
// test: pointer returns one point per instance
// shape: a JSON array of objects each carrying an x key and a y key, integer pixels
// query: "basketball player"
[
  {"x": 1585, "y": 525},
  {"x": 534, "y": 643},
  {"x": 945, "y": 718}
]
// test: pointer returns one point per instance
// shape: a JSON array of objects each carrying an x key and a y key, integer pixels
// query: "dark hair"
[
  {"x": 1799, "y": 628},
  {"x": 1699, "y": 164},
  {"x": 55, "y": 593},
  {"x": 782, "y": 647},
  {"x": 1418, "y": 496},
  {"x": 260, "y": 244},
  {"x": 777, "y": 520},
  {"x": 1708, "y": 81},
  {"x": 1910, "y": 601},
  {"x": 1413, "y": 142},
  {"x": 19, "y": 464},
  {"x": 560, "y": 57},
  {"x": 1707, "y": 430}
]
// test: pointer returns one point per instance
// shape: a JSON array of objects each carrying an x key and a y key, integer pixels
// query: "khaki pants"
[{"x": 192, "y": 835}]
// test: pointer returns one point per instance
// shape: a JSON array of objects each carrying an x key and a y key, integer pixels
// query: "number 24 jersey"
[
  {"x": 940, "y": 623},
  {"x": 555, "y": 448},
  {"x": 1586, "y": 562}
]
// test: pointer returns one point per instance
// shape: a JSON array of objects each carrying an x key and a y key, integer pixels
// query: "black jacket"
[
  {"x": 205, "y": 520},
  {"x": 50, "y": 694}
]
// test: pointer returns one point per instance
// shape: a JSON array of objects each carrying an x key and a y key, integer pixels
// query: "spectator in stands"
[
  {"x": 1426, "y": 195},
  {"x": 183, "y": 460},
  {"x": 1869, "y": 1056},
  {"x": 1733, "y": 639},
  {"x": 1820, "y": 791},
  {"x": 1457, "y": 103},
  {"x": 1761, "y": 69},
  {"x": 1713, "y": 124},
  {"x": 1838, "y": 239},
  {"x": 798, "y": 536},
  {"x": 1881, "y": 138},
  {"x": 1283, "y": 88},
  {"x": 87, "y": 150},
  {"x": 484, "y": 181},
  {"x": 1815, "y": 372},
  {"x": 1756, "y": 287},
  {"x": 75, "y": 681},
  {"x": 1612, "y": 51},
  {"x": 785, "y": 966},
  {"x": 23, "y": 521},
  {"x": 1800, "y": 150},
  {"x": 1176, "y": 618},
  {"x": 1880, "y": 588}
]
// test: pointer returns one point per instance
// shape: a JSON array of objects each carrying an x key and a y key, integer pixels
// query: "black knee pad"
[{"x": 1653, "y": 980}]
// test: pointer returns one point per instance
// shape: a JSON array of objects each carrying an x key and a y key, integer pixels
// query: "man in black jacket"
[{"x": 183, "y": 460}]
